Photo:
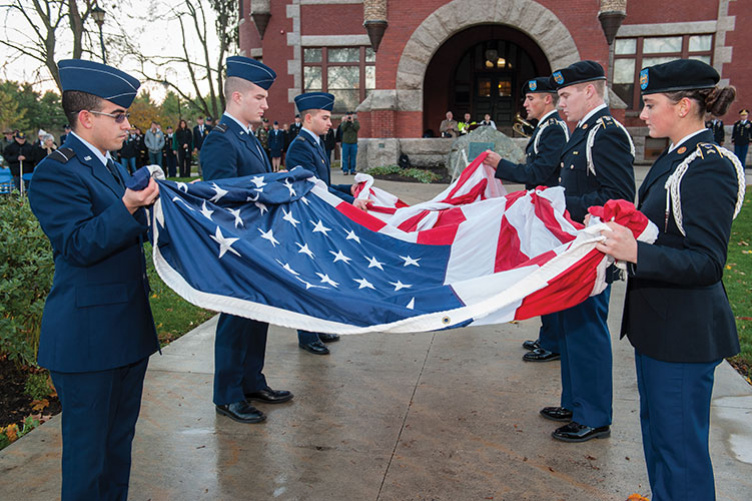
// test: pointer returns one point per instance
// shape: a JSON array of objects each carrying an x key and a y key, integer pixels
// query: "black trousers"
[{"x": 184, "y": 162}]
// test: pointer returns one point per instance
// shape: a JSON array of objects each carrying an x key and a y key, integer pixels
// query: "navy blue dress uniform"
[
  {"x": 97, "y": 328},
  {"x": 541, "y": 168},
  {"x": 740, "y": 136},
  {"x": 596, "y": 166},
  {"x": 719, "y": 132},
  {"x": 677, "y": 315},
  {"x": 231, "y": 150},
  {"x": 276, "y": 142}
]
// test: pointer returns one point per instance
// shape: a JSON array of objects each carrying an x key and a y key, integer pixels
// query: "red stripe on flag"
[
  {"x": 544, "y": 210},
  {"x": 568, "y": 289},
  {"x": 445, "y": 229},
  {"x": 474, "y": 194},
  {"x": 511, "y": 198},
  {"x": 360, "y": 217},
  {"x": 411, "y": 224},
  {"x": 508, "y": 254},
  {"x": 469, "y": 171}
]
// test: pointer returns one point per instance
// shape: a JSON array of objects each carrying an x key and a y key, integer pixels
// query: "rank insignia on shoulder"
[
  {"x": 62, "y": 155},
  {"x": 220, "y": 128}
]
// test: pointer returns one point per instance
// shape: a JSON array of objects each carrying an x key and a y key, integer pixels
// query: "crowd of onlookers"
[{"x": 176, "y": 150}]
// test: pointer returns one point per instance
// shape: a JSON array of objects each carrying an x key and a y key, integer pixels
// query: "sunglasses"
[{"x": 119, "y": 117}]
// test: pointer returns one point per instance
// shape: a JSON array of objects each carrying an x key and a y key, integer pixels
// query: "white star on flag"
[
  {"x": 309, "y": 285},
  {"x": 269, "y": 235},
  {"x": 290, "y": 219},
  {"x": 320, "y": 228},
  {"x": 352, "y": 236},
  {"x": 325, "y": 279},
  {"x": 178, "y": 199},
  {"x": 410, "y": 261},
  {"x": 364, "y": 283},
  {"x": 398, "y": 285},
  {"x": 304, "y": 200},
  {"x": 287, "y": 267},
  {"x": 288, "y": 185},
  {"x": 238, "y": 219},
  {"x": 182, "y": 187},
  {"x": 206, "y": 212},
  {"x": 251, "y": 199},
  {"x": 225, "y": 244},
  {"x": 259, "y": 182},
  {"x": 339, "y": 256},
  {"x": 374, "y": 263},
  {"x": 305, "y": 250},
  {"x": 219, "y": 193},
  {"x": 261, "y": 207},
  {"x": 411, "y": 304}
]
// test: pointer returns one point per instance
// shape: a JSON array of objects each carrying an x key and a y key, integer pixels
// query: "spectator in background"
[
  {"x": 286, "y": 130},
  {"x": 142, "y": 155},
  {"x": 716, "y": 125},
  {"x": 448, "y": 127},
  {"x": 6, "y": 140},
  {"x": 129, "y": 151},
  {"x": 487, "y": 121},
  {"x": 200, "y": 131},
  {"x": 330, "y": 142},
  {"x": 19, "y": 154},
  {"x": 154, "y": 142},
  {"x": 183, "y": 144},
  {"x": 64, "y": 135},
  {"x": 41, "y": 151},
  {"x": 169, "y": 160},
  {"x": 465, "y": 125},
  {"x": 350, "y": 127},
  {"x": 262, "y": 134},
  {"x": 294, "y": 129},
  {"x": 276, "y": 145},
  {"x": 740, "y": 136}
]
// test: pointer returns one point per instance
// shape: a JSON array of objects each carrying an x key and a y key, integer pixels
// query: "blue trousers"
[
  {"x": 547, "y": 337},
  {"x": 675, "y": 419},
  {"x": 741, "y": 153},
  {"x": 305, "y": 337},
  {"x": 155, "y": 158},
  {"x": 587, "y": 361},
  {"x": 100, "y": 410},
  {"x": 129, "y": 164},
  {"x": 239, "y": 349},
  {"x": 349, "y": 157}
]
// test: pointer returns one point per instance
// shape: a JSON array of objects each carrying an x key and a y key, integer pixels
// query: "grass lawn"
[{"x": 738, "y": 281}]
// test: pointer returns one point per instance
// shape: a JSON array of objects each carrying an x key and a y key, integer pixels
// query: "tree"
[
  {"x": 204, "y": 67},
  {"x": 34, "y": 29},
  {"x": 37, "y": 111},
  {"x": 11, "y": 115}
]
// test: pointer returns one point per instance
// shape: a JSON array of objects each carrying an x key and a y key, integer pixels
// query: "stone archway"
[{"x": 527, "y": 16}]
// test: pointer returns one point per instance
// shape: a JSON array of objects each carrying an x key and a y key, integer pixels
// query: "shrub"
[
  {"x": 422, "y": 175},
  {"x": 38, "y": 385},
  {"x": 26, "y": 270}
]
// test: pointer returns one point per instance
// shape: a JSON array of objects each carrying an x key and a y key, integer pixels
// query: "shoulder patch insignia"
[
  {"x": 62, "y": 155},
  {"x": 219, "y": 128}
]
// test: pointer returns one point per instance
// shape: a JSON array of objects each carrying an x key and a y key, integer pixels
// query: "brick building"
[{"x": 473, "y": 55}]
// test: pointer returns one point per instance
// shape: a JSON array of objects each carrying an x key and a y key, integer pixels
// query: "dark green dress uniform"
[{"x": 740, "y": 136}]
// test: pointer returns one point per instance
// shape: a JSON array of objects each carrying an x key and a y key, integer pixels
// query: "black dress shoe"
[
  {"x": 329, "y": 338},
  {"x": 576, "y": 432},
  {"x": 316, "y": 347},
  {"x": 556, "y": 413},
  {"x": 269, "y": 396},
  {"x": 540, "y": 355},
  {"x": 531, "y": 345},
  {"x": 242, "y": 412}
]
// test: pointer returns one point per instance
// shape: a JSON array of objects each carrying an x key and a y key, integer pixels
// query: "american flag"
[{"x": 281, "y": 249}]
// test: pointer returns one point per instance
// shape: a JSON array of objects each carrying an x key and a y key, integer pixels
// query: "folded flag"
[{"x": 280, "y": 248}]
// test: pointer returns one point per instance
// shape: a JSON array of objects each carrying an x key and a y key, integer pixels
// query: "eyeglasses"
[{"x": 119, "y": 117}]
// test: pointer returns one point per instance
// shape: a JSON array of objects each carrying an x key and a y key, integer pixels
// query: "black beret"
[
  {"x": 538, "y": 85},
  {"x": 579, "y": 72},
  {"x": 682, "y": 74}
]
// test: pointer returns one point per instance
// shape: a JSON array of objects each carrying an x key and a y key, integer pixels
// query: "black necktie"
[{"x": 114, "y": 171}]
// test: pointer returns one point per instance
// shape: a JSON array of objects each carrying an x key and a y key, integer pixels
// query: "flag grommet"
[{"x": 446, "y": 320}]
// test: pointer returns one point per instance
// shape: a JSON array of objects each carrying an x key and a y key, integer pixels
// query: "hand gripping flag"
[{"x": 279, "y": 248}]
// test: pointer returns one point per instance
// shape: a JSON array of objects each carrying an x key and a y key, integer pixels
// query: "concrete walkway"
[{"x": 447, "y": 416}]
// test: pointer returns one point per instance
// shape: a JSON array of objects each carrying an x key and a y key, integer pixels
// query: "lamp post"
[
  {"x": 611, "y": 14},
  {"x": 98, "y": 14}
]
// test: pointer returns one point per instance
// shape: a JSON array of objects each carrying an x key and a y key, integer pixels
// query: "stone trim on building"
[
  {"x": 528, "y": 16},
  {"x": 334, "y": 40},
  {"x": 329, "y": 2},
  {"x": 294, "y": 65},
  {"x": 723, "y": 54},
  {"x": 666, "y": 29}
]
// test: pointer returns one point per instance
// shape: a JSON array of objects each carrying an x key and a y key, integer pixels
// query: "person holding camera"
[{"x": 350, "y": 127}]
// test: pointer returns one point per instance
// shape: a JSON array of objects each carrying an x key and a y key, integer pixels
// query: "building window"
[
  {"x": 633, "y": 54},
  {"x": 349, "y": 73}
]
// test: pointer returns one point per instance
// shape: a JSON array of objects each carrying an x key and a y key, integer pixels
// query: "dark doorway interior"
[{"x": 480, "y": 70}]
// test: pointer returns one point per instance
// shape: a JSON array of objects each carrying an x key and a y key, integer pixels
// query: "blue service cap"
[
  {"x": 682, "y": 74},
  {"x": 99, "y": 80},
  {"x": 537, "y": 85},
  {"x": 251, "y": 70},
  {"x": 314, "y": 101},
  {"x": 579, "y": 72}
]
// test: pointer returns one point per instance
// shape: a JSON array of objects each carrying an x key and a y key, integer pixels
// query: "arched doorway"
[{"x": 480, "y": 70}]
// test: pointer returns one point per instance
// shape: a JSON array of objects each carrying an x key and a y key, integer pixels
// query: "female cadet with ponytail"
[{"x": 677, "y": 315}]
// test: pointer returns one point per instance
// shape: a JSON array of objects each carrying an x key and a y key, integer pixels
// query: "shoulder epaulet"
[
  {"x": 300, "y": 137},
  {"x": 550, "y": 121},
  {"x": 62, "y": 155},
  {"x": 605, "y": 122},
  {"x": 221, "y": 128}
]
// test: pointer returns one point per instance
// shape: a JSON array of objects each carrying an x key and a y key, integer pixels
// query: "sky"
[{"x": 148, "y": 22}]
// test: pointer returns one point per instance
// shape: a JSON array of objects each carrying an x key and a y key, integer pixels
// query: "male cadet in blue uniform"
[
  {"x": 541, "y": 168},
  {"x": 740, "y": 136},
  {"x": 307, "y": 151},
  {"x": 596, "y": 166},
  {"x": 231, "y": 150},
  {"x": 97, "y": 328}
]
